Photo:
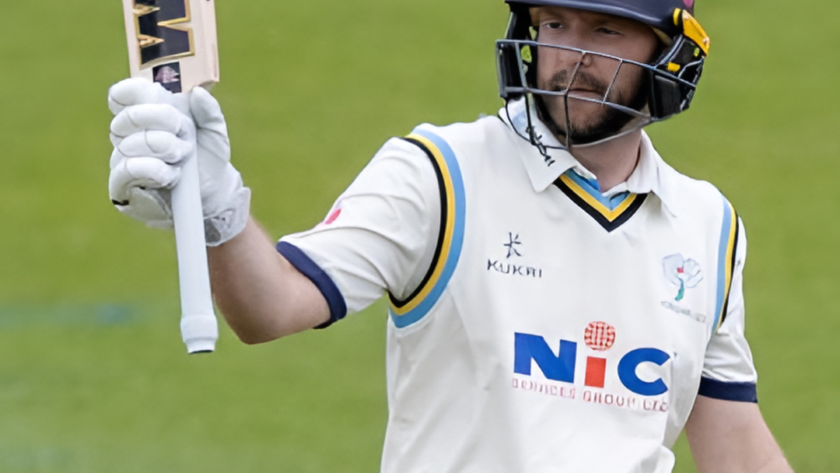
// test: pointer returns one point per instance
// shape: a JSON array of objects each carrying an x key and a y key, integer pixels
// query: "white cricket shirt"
[{"x": 536, "y": 324}]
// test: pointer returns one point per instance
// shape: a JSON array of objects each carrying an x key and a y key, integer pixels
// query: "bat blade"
[{"x": 173, "y": 42}]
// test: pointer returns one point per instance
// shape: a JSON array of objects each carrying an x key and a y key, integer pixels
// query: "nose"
[
  {"x": 575, "y": 37},
  {"x": 567, "y": 58},
  {"x": 574, "y": 58},
  {"x": 557, "y": 59}
]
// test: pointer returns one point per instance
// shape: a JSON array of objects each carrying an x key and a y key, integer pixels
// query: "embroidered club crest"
[{"x": 681, "y": 272}]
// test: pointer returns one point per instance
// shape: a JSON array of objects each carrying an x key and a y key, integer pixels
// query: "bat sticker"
[{"x": 169, "y": 76}]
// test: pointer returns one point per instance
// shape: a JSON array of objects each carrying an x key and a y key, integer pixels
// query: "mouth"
[
  {"x": 579, "y": 91},
  {"x": 586, "y": 92}
]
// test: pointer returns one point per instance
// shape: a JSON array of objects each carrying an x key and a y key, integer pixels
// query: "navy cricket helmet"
[{"x": 670, "y": 79}]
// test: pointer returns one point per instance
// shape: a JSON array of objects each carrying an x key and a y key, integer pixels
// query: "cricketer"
[{"x": 561, "y": 299}]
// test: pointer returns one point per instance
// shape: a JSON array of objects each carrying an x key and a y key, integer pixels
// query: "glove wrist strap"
[{"x": 228, "y": 223}]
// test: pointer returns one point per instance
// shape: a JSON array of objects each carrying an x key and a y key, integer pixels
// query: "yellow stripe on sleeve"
[
  {"x": 448, "y": 228},
  {"x": 730, "y": 260}
]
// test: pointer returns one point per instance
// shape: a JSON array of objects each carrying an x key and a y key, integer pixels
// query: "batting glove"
[{"x": 153, "y": 131}]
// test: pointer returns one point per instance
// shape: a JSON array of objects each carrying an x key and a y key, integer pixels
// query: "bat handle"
[{"x": 199, "y": 329}]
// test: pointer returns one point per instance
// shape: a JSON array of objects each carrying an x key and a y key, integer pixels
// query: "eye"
[
  {"x": 607, "y": 31},
  {"x": 552, "y": 25}
]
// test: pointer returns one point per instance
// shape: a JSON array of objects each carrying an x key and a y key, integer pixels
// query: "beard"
[{"x": 606, "y": 122}]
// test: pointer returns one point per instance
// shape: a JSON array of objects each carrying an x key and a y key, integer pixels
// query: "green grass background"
[{"x": 93, "y": 376}]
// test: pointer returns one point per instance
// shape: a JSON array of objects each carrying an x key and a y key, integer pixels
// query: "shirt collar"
[{"x": 543, "y": 171}]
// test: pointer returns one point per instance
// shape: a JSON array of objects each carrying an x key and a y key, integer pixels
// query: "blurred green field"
[{"x": 93, "y": 376}]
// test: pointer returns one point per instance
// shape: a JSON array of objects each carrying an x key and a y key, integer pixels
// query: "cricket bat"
[{"x": 173, "y": 42}]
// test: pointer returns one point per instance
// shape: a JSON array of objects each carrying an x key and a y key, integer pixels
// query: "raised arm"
[
  {"x": 262, "y": 296},
  {"x": 380, "y": 237}
]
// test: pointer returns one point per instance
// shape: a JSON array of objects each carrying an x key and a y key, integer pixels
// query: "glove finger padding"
[
  {"x": 154, "y": 117},
  {"x": 137, "y": 91},
  {"x": 207, "y": 112},
  {"x": 155, "y": 144},
  {"x": 132, "y": 173},
  {"x": 211, "y": 130},
  {"x": 152, "y": 207},
  {"x": 140, "y": 188}
]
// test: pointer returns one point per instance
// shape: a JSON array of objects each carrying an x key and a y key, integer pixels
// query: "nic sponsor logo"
[
  {"x": 508, "y": 265},
  {"x": 636, "y": 370}
]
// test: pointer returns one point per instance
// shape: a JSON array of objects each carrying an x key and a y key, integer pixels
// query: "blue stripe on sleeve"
[
  {"x": 454, "y": 171},
  {"x": 725, "y": 232},
  {"x": 298, "y": 259},
  {"x": 728, "y": 391}
]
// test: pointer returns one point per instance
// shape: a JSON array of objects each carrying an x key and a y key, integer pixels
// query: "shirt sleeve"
[
  {"x": 728, "y": 370},
  {"x": 379, "y": 235}
]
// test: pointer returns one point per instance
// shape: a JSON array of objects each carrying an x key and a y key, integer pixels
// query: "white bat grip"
[{"x": 198, "y": 321}]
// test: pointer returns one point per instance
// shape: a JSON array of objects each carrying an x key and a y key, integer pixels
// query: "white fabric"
[
  {"x": 153, "y": 131},
  {"x": 400, "y": 179},
  {"x": 728, "y": 356},
  {"x": 457, "y": 403},
  {"x": 384, "y": 237}
]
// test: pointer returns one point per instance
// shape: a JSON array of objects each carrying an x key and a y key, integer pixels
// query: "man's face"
[{"x": 598, "y": 33}]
